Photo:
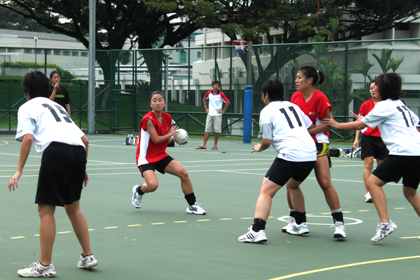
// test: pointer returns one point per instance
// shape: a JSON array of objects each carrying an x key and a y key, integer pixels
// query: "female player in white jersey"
[
  {"x": 63, "y": 169},
  {"x": 284, "y": 126},
  {"x": 397, "y": 125},
  {"x": 156, "y": 131}
]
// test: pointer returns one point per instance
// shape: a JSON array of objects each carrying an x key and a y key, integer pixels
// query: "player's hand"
[
  {"x": 256, "y": 148},
  {"x": 355, "y": 144},
  {"x": 56, "y": 86},
  {"x": 357, "y": 117},
  {"x": 329, "y": 121},
  {"x": 173, "y": 130},
  {"x": 13, "y": 182},
  {"x": 86, "y": 180},
  {"x": 207, "y": 111}
]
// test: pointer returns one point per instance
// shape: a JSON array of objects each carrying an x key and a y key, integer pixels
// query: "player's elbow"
[
  {"x": 85, "y": 140},
  {"x": 28, "y": 138}
]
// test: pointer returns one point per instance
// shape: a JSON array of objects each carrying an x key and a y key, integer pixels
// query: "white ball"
[{"x": 181, "y": 136}]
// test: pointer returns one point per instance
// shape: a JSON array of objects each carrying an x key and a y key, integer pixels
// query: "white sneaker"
[
  {"x": 253, "y": 237},
  {"x": 296, "y": 229},
  {"x": 340, "y": 230},
  {"x": 87, "y": 262},
  {"x": 36, "y": 269},
  {"x": 195, "y": 209},
  {"x": 368, "y": 198},
  {"x": 383, "y": 231},
  {"x": 136, "y": 198},
  {"x": 290, "y": 221}
]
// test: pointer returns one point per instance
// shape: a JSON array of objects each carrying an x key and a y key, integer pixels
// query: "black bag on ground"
[{"x": 334, "y": 152}]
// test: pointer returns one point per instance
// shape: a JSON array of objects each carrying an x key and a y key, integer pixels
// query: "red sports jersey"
[
  {"x": 315, "y": 108},
  {"x": 366, "y": 107},
  {"x": 147, "y": 150}
]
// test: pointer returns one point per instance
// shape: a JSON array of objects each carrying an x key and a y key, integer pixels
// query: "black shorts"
[
  {"x": 282, "y": 170},
  {"x": 323, "y": 149},
  {"x": 373, "y": 147},
  {"x": 61, "y": 175},
  {"x": 159, "y": 165},
  {"x": 393, "y": 168}
]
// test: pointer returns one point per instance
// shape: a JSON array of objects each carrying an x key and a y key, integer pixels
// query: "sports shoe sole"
[
  {"x": 336, "y": 235},
  {"x": 88, "y": 267}
]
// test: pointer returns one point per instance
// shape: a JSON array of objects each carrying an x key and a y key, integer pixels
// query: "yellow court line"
[
  {"x": 247, "y": 218},
  {"x": 203, "y": 220},
  {"x": 157, "y": 224},
  {"x": 110, "y": 227},
  {"x": 179, "y": 222},
  {"x": 363, "y": 210},
  {"x": 342, "y": 266},
  {"x": 399, "y": 208},
  {"x": 5, "y": 143},
  {"x": 91, "y": 229},
  {"x": 225, "y": 219},
  {"x": 409, "y": 237},
  {"x": 63, "y": 232},
  {"x": 136, "y": 225},
  {"x": 17, "y": 237}
]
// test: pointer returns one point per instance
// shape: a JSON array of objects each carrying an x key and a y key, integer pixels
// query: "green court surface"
[{"x": 161, "y": 241}]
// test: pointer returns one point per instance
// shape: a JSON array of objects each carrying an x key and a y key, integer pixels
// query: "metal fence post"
[{"x": 248, "y": 99}]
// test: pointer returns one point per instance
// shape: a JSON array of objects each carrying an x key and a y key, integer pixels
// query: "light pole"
[
  {"x": 36, "y": 41},
  {"x": 167, "y": 51}
]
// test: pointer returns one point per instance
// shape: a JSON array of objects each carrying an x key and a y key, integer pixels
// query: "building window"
[
  {"x": 183, "y": 56},
  {"x": 74, "y": 53},
  {"x": 66, "y": 53},
  {"x": 198, "y": 54},
  {"x": 57, "y": 52}
]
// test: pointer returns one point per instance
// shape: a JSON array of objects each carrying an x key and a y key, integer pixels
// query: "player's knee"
[
  {"x": 409, "y": 193},
  {"x": 152, "y": 187},
  {"x": 183, "y": 174}
]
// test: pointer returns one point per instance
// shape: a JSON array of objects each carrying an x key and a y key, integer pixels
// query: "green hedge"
[{"x": 65, "y": 75}]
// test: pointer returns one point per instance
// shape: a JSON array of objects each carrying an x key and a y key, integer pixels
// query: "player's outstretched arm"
[{"x": 25, "y": 148}]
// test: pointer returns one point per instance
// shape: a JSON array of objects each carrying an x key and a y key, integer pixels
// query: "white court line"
[{"x": 233, "y": 171}]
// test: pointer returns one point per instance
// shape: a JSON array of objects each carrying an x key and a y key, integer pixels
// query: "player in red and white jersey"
[
  {"x": 397, "y": 124},
  {"x": 316, "y": 106},
  {"x": 214, "y": 114},
  {"x": 64, "y": 150},
  {"x": 372, "y": 144},
  {"x": 156, "y": 131}
]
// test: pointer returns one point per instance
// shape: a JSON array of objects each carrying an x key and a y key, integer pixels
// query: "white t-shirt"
[
  {"x": 215, "y": 102},
  {"x": 397, "y": 125},
  {"x": 287, "y": 126},
  {"x": 48, "y": 122}
]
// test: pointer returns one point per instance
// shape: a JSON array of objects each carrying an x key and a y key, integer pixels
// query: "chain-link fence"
[{"x": 126, "y": 78}]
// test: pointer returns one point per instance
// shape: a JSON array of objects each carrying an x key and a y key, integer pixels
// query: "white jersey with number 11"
[{"x": 287, "y": 126}]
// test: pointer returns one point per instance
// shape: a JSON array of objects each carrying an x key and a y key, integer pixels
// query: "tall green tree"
[{"x": 165, "y": 22}]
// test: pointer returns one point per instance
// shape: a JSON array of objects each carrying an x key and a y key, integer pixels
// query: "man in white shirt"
[{"x": 214, "y": 113}]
